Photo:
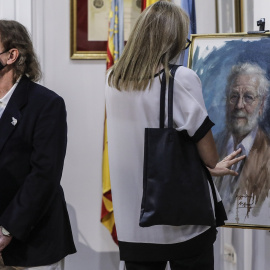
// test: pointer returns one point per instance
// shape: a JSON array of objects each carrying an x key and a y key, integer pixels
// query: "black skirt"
[{"x": 167, "y": 252}]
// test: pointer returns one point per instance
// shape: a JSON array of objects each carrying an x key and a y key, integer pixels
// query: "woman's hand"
[{"x": 223, "y": 167}]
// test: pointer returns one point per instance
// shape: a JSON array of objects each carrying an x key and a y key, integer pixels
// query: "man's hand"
[
  {"x": 223, "y": 167},
  {"x": 4, "y": 241}
]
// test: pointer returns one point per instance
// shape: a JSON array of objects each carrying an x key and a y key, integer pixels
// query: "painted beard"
[{"x": 239, "y": 128}]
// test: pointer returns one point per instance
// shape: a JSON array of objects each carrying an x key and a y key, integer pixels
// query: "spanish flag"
[
  {"x": 189, "y": 7},
  {"x": 147, "y": 3},
  {"x": 115, "y": 47}
]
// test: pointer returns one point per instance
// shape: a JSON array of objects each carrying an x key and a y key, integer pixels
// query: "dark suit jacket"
[{"x": 32, "y": 203}]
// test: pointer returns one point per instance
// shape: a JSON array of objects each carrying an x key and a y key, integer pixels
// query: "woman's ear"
[{"x": 13, "y": 56}]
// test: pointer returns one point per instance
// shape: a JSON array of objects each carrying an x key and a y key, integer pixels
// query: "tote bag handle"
[{"x": 170, "y": 98}]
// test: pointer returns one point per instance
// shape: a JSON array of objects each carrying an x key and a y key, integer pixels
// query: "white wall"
[
  {"x": 81, "y": 84},
  {"x": 206, "y": 16},
  {"x": 17, "y": 9}
]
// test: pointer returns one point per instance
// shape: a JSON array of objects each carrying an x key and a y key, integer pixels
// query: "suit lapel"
[{"x": 12, "y": 114}]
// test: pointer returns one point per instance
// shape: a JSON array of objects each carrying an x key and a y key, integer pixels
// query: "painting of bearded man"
[{"x": 234, "y": 70}]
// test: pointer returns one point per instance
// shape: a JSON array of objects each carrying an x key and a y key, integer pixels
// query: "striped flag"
[
  {"x": 116, "y": 32},
  {"x": 114, "y": 49},
  {"x": 146, "y": 3},
  {"x": 189, "y": 7}
]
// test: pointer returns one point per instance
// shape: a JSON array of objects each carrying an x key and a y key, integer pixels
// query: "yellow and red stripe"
[
  {"x": 147, "y": 3},
  {"x": 107, "y": 215}
]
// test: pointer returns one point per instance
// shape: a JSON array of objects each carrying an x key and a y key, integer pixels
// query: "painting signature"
[{"x": 244, "y": 201}]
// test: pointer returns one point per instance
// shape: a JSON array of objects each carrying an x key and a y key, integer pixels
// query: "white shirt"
[
  {"x": 128, "y": 114},
  {"x": 245, "y": 144},
  {"x": 4, "y": 100}
]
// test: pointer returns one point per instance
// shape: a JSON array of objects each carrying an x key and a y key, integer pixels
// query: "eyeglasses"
[
  {"x": 246, "y": 99},
  {"x": 188, "y": 42}
]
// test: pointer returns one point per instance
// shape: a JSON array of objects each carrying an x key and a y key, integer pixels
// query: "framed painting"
[
  {"x": 248, "y": 16},
  {"x": 235, "y": 73},
  {"x": 230, "y": 16},
  {"x": 89, "y": 26},
  {"x": 225, "y": 16}
]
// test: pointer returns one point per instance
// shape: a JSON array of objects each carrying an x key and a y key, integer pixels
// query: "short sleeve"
[{"x": 189, "y": 111}]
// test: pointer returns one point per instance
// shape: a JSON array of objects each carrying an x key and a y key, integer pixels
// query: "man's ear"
[{"x": 13, "y": 56}]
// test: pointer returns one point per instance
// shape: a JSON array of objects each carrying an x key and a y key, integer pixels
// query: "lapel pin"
[{"x": 14, "y": 121}]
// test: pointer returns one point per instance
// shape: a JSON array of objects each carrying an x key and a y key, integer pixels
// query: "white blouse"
[{"x": 128, "y": 114}]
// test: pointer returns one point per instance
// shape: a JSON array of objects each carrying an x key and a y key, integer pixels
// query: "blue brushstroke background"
[{"x": 214, "y": 69}]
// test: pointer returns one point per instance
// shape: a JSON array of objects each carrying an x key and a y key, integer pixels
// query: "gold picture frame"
[
  {"x": 212, "y": 58},
  {"x": 89, "y": 20},
  {"x": 230, "y": 16},
  {"x": 80, "y": 46}
]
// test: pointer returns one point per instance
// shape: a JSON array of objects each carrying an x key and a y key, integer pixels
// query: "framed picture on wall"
[
  {"x": 235, "y": 73},
  {"x": 225, "y": 16},
  {"x": 90, "y": 24},
  {"x": 230, "y": 15},
  {"x": 248, "y": 16}
]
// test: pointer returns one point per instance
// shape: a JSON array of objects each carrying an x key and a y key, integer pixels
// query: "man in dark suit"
[{"x": 35, "y": 228}]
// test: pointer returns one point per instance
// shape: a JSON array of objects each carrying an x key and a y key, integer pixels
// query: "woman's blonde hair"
[{"x": 158, "y": 37}]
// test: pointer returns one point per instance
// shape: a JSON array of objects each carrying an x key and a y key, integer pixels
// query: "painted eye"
[
  {"x": 234, "y": 99},
  {"x": 248, "y": 99}
]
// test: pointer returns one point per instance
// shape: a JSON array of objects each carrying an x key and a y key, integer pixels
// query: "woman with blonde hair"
[{"x": 132, "y": 103}]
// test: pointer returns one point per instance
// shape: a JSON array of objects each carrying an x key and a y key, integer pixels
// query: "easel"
[{"x": 261, "y": 24}]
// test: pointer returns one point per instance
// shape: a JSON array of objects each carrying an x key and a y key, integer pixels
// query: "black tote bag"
[{"x": 175, "y": 186}]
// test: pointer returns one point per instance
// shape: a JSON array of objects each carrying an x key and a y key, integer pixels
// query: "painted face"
[{"x": 243, "y": 105}]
